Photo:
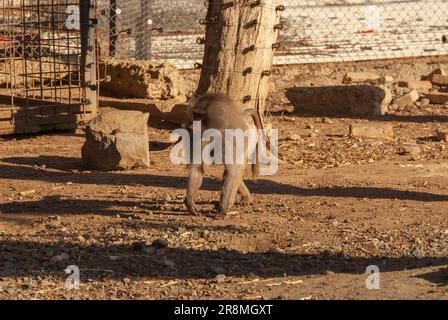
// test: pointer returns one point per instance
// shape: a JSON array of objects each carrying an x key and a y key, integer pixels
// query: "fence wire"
[{"x": 314, "y": 30}]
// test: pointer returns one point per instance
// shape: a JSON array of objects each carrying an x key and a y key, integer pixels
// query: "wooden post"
[
  {"x": 241, "y": 37},
  {"x": 88, "y": 55}
]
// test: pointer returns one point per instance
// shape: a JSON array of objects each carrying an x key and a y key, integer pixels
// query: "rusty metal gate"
[{"x": 47, "y": 64}]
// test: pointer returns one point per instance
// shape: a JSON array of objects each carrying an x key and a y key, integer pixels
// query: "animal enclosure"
[{"x": 47, "y": 64}]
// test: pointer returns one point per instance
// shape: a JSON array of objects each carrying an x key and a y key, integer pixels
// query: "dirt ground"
[{"x": 337, "y": 205}]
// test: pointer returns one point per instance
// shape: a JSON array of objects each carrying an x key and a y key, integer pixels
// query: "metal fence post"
[
  {"x": 113, "y": 34},
  {"x": 142, "y": 30}
]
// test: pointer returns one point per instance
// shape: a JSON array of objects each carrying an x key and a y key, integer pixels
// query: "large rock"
[
  {"x": 11, "y": 68},
  {"x": 117, "y": 140},
  {"x": 358, "y": 100},
  {"x": 420, "y": 85},
  {"x": 437, "y": 97},
  {"x": 159, "y": 111},
  {"x": 142, "y": 79}
]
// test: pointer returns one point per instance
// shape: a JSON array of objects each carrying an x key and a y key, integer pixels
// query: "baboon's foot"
[
  {"x": 192, "y": 207},
  {"x": 221, "y": 215},
  {"x": 245, "y": 201}
]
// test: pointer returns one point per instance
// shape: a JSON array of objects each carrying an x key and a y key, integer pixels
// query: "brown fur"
[{"x": 216, "y": 111}]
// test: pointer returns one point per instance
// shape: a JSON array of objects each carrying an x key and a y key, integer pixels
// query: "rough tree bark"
[{"x": 241, "y": 37}]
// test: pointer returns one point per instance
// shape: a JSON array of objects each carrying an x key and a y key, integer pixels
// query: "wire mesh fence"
[{"x": 314, "y": 30}]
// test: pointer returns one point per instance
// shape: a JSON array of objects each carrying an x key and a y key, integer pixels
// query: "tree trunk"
[{"x": 241, "y": 37}]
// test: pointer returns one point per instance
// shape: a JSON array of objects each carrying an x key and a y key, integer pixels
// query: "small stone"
[
  {"x": 126, "y": 280},
  {"x": 139, "y": 246},
  {"x": 372, "y": 130},
  {"x": 27, "y": 192},
  {"x": 327, "y": 120},
  {"x": 362, "y": 77},
  {"x": 417, "y": 85},
  {"x": 374, "y": 142},
  {"x": 220, "y": 278},
  {"x": 418, "y": 252},
  {"x": 216, "y": 270},
  {"x": 159, "y": 244},
  {"x": 442, "y": 135},
  {"x": 114, "y": 258},
  {"x": 412, "y": 150},
  {"x": 387, "y": 79},
  {"x": 293, "y": 137},
  {"x": 425, "y": 102},
  {"x": 60, "y": 257},
  {"x": 407, "y": 100},
  {"x": 169, "y": 264},
  {"x": 3, "y": 285}
]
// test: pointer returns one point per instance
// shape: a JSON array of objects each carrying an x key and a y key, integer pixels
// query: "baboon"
[{"x": 217, "y": 111}]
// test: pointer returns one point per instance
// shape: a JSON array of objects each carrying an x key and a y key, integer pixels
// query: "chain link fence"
[{"x": 314, "y": 30}]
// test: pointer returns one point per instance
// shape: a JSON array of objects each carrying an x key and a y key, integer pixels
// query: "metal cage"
[{"x": 47, "y": 64}]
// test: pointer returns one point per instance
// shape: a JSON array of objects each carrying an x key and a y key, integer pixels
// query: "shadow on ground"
[
  {"x": 20, "y": 259},
  {"x": 439, "y": 277},
  {"x": 29, "y": 170}
]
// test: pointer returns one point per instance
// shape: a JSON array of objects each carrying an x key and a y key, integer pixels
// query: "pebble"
[
  {"x": 60, "y": 257},
  {"x": 217, "y": 270},
  {"x": 425, "y": 102},
  {"x": 159, "y": 244},
  {"x": 169, "y": 264},
  {"x": 418, "y": 252},
  {"x": 139, "y": 246},
  {"x": 220, "y": 278},
  {"x": 294, "y": 137}
]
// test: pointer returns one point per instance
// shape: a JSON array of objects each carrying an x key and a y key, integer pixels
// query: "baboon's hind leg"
[
  {"x": 232, "y": 183},
  {"x": 194, "y": 184},
  {"x": 244, "y": 193}
]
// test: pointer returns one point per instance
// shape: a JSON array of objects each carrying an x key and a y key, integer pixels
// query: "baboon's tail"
[{"x": 255, "y": 116}]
